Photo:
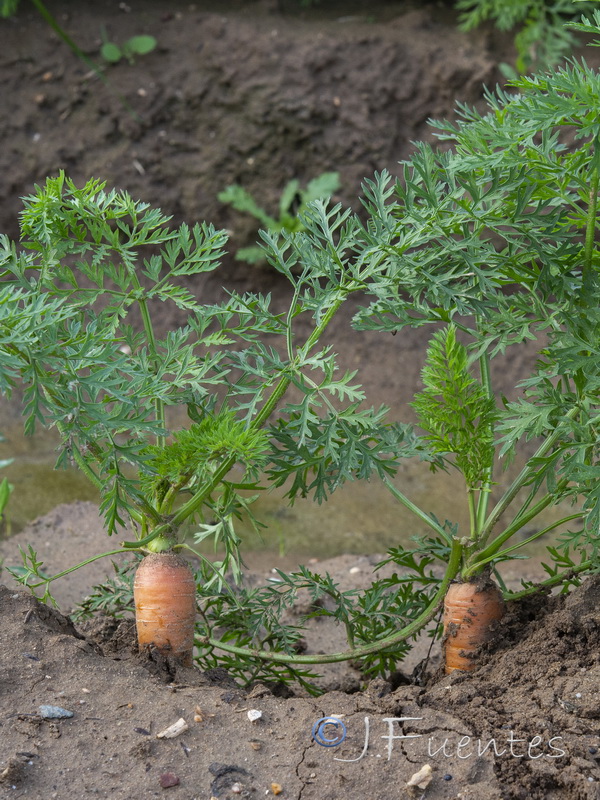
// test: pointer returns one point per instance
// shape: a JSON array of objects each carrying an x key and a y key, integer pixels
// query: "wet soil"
[{"x": 259, "y": 93}]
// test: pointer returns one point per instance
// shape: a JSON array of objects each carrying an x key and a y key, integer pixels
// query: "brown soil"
[
  {"x": 258, "y": 93},
  {"x": 524, "y": 725}
]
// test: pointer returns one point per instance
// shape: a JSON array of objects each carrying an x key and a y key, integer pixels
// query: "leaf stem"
[
  {"x": 590, "y": 230},
  {"x": 159, "y": 405},
  {"x": 485, "y": 488},
  {"x": 329, "y": 658},
  {"x": 418, "y": 512},
  {"x": 194, "y": 503},
  {"x": 519, "y": 522},
  {"x": 46, "y": 581},
  {"x": 474, "y": 532},
  {"x": 485, "y": 559},
  {"x": 555, "y": 580},
  {"x": 523, "y": 477}
]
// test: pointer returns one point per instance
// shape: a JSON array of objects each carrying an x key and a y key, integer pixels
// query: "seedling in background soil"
[
  {"x": 492, "y": 242},
  {"x": 541, "y": 39},
  {"x": 292, "y": 204},
  {"x": 135, "y": 46}
]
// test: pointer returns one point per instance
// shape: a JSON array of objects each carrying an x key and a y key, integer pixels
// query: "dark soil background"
[{"x": 259, "y": 93}]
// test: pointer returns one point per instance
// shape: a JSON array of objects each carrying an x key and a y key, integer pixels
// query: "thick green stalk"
[
  {"x": 555, "y": 580},
  {"x": 485, "y": 489},
  {"x": 474, "y": 532},
  {"x": 431, "y": 523},
  {"x": 515, "y": 526},
  {"x": 358, "y": 652},
  {"x": 473, "y": 569},
  {"x": 159, "y": 406}
]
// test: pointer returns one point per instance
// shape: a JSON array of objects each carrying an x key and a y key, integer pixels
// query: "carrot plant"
[
  {"x": 494, "y": 243},
  {"x": 491, "y": 242},
  {"x": 89, "y": 260}
]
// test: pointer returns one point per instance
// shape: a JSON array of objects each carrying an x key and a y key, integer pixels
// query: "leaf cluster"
[
  {"x": 194, "y": 453},
  {"x": 541, "y": 40},
  {"x": 455, "y": 410},
  {"x": 491, "y": 242}
]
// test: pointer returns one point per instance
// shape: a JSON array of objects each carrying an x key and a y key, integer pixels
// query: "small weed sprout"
[
  {"x": 135, "y": 46},
  {"x": 292, "y": 204}
]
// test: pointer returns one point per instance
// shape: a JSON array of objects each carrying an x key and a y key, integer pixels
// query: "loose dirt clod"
[{"x": 13, "y": 773}]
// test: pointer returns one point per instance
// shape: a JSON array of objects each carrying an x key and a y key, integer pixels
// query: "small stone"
[
  {"x": 422, "y": 778},
  {"x": 236, "y": 788},
  {"x": 54, "y": 712},
  {"x": 254, "y": 715},
  {"x": 168, "y": 779},
  {"x": 276, "y": 788},
  {"x": 173, "y": 730},
  {"x": 448, "y": 777},
  {"x": 354, "y": 570}
]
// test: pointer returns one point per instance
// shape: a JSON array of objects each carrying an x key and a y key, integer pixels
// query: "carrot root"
[
  {"x": 470, "y": 609},
  {"x": 164, "y": 592}
]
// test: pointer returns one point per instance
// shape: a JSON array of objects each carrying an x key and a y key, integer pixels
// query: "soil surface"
[
  {"x": 258, "y": 93},
  {"x": 523, "y": 726}
]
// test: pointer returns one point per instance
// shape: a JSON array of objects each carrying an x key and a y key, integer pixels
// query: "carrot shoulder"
[
  {"x": 470, "y": 609},
  {"x": 164, "y": 591}
]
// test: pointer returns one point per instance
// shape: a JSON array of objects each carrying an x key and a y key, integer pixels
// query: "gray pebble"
[{"x": 54, "y": 712}]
